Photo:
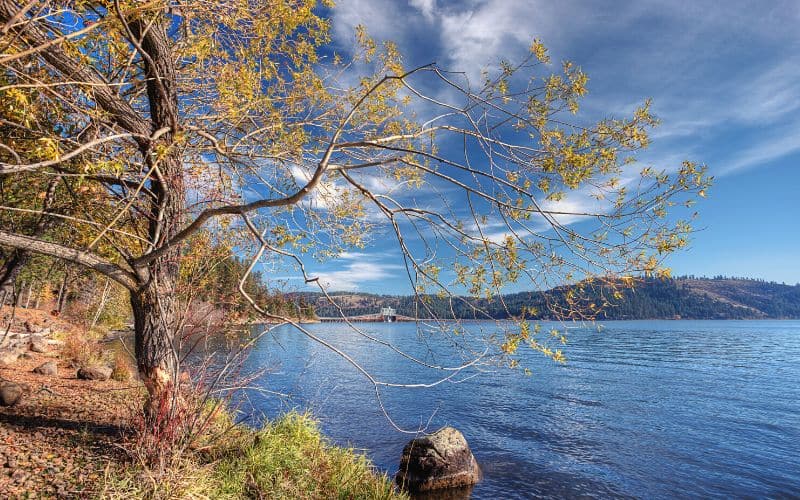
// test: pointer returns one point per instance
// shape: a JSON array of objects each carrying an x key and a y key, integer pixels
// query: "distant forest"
[{"x": 680, "y": 298}]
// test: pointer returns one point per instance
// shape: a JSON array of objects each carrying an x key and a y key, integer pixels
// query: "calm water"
[{"x": 650, "y": 409}]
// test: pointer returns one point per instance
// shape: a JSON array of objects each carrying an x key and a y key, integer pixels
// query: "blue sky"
[{"x": 724, "y": 78}]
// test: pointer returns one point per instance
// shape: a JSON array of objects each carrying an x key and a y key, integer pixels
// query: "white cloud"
[
  {"x": 770, "y": 96},
  {"x": 380, "y": 17},
  {"x": 426, "y": 7},
  {"x": 353, "y": 255},
  {"x": 480, "y": 36},
  {"x": 325, "y": 194},
  {"x": 355, "y": 274},
  {"x": 709, "y": 67}
]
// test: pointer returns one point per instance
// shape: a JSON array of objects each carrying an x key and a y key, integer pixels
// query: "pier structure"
[
  {"x": 386, "y": 315},
  {"x": 389, "y": 314}
]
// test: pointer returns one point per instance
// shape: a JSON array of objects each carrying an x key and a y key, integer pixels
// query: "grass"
[{"x": 287, "y": 458}]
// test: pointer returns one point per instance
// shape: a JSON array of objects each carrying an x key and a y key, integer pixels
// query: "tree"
[{"x": 237, "y": 116}]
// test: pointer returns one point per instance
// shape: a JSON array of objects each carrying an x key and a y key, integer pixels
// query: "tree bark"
[
  {"x": 154, "y": 320},
  {"x": 152, "y": 283},
  {"x": 10, "y": 271},
  {"x": 154, "y": 304}
]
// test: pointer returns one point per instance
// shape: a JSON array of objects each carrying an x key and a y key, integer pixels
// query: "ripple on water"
[{"x": 654, "y": 409}]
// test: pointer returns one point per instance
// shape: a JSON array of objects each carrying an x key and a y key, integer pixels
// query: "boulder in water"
[{"x": 440, "y": 460}]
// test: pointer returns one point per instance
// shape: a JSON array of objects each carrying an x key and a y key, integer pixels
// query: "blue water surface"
[{"x": 653, "y": 409}]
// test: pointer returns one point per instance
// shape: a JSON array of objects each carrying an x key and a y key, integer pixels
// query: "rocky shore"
[{"x": 58, "y": 432}]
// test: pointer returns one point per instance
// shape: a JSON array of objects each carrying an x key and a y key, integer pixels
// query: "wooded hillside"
[{"x": 684, "y": 297}]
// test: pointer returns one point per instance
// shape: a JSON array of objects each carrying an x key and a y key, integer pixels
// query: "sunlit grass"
[{"x": 287, "y": 458}]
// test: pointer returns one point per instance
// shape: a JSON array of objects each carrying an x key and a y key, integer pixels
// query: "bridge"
[{"x": 387, "y": 315}]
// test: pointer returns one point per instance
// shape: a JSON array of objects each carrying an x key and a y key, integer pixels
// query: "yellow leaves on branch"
[
  {"x": 527, "y": 336},
  {"x": 538, "y": 49},
  {"x": 47, "y": 148}
]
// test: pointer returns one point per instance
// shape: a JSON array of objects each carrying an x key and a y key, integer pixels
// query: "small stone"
[
  {"x": 8, "y": 358},
  {"x": 37, "y": 344},
  {"x": 50, "y": 368},
  {"x": 10, "y": 393},
  {"x": 94, "y": 373},
  {"x": 440, "y": 460}
]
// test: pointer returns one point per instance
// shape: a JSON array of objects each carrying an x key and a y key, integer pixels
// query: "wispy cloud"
[
  {"x": 764, "y": 151},
  {"x": 357, "y": 273},
  {"x": 703, "y": 62}
]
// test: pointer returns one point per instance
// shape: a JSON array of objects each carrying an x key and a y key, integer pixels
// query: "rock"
[
  {"x": 8, "y": 358},
  {"x": 94, "y": 373},
  {"x": 37, "y": 344},
  {"x": 50, "y": 368},
  {"x": 440, "y": 460},
  {"x": 10, "y": 393},
  {"x": 29, "y": 327}
]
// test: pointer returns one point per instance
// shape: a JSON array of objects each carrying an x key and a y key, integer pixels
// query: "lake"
[{"x": 652, "y": 409}]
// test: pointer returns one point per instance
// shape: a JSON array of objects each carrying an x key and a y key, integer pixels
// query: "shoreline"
[{"x": 72, "y": 438}]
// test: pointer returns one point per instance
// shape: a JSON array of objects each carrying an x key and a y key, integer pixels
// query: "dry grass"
[
  {"x": 122, "y": 368},
  {"x": 83, "y": 349}
]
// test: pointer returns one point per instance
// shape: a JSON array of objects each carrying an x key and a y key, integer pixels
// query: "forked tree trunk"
[
  {"x": 153, "y": 296},
  {"x": 154, "y": 303}
]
